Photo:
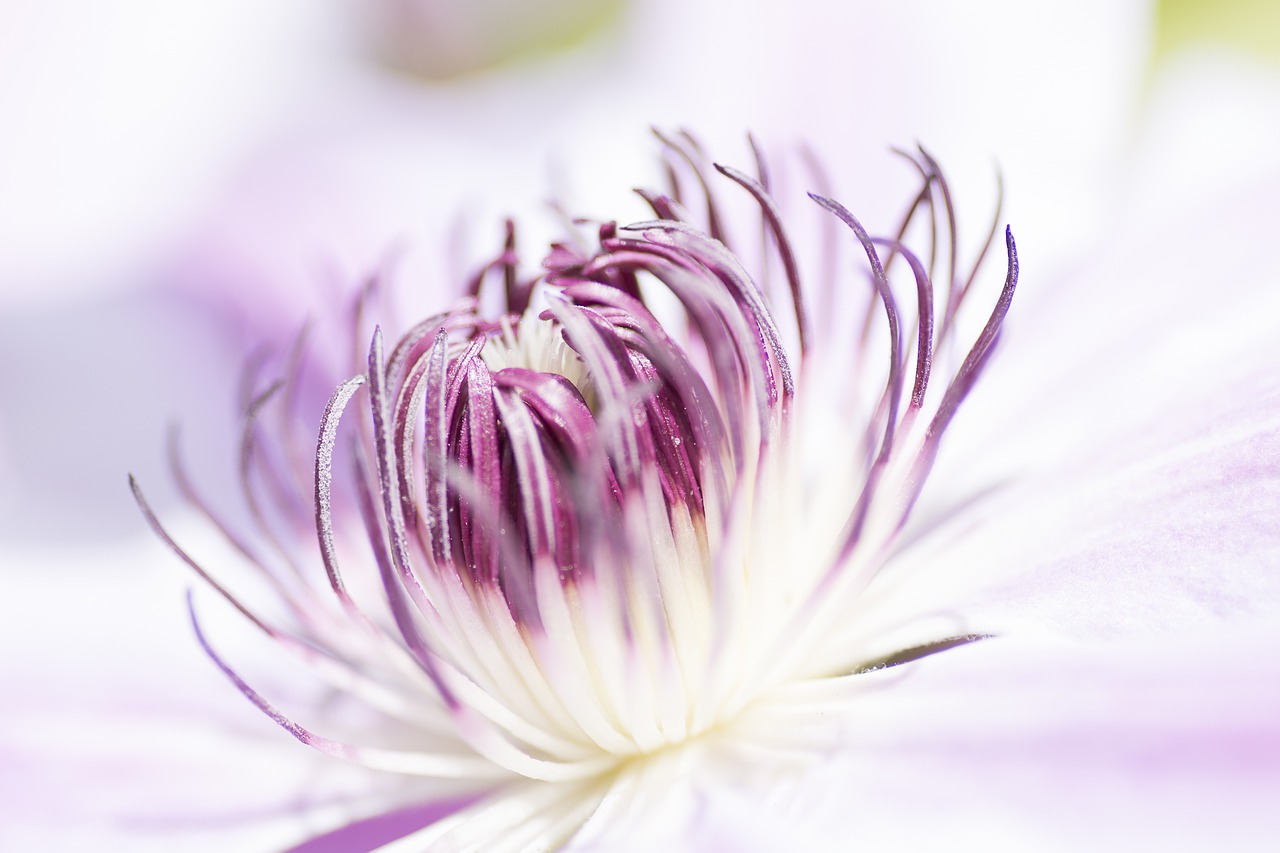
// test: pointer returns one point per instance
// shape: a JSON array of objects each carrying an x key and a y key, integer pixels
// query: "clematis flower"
[
  {"x": 575, "y": 527},
  {"x": 1134, "y": 407}
]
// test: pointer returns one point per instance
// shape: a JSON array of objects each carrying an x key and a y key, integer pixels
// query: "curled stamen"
[
  {"x": 893, "y": 390},
  {"x": 770, "y": 210},
  {"x": 976, "y": 359},
  {"x": 324, "y": 481},
  {"x": 692, "y": 156},
  {"x": 953, "y": 305},
  {"x": 924, "y": 320}
]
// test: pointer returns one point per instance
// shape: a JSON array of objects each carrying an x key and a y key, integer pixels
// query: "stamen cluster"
[{"x": 585, "y": 534}]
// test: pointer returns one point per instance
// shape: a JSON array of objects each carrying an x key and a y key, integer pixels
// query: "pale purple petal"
[
  {"x": 1007, "y": 745},
  {"x": 1174, "y": 531}
]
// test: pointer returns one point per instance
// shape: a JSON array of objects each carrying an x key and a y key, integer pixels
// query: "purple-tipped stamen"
[{"x": 587, "y": 520}]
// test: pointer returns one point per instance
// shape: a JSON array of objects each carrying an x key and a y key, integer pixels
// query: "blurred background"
[{"x": 181, "y": 182}]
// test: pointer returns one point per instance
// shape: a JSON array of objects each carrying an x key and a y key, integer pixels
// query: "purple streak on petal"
[
  {"x": 518, "y": 292},
  {"x": 476, "y": 284},
  {"x": 418, "y": 391},
  {"x": 623, "y": 279},
  {"x": 510, "y": 260},
  {"x": 515, "y": 293},
  {"x": 924, "y": 303},
  {"x": 324, "y": 482},
  {"x": 531, "y": 483},
  {"x": 771, "y": 215},
  {"x": 372, "y": 833}
]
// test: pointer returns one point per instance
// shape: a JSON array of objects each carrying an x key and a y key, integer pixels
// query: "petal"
[
  {"x": 118, "y": 737},
  {"x": 1121, "y": 459},
  {"x": 87, "y": 399},
  {"x": 1175, "y": 530},
  {"x": 372, "y": 833},
  {"x": 1020, "y": 746}
]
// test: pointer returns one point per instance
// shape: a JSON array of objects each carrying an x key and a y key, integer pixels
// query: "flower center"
[
  {"x": 595, "y": 536},
  {"x": 537, "y": 346}
]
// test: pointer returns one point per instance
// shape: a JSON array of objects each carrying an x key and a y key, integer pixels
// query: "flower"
[{"x": 620, "y": 509}]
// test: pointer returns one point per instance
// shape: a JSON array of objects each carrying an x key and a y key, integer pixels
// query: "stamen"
[
  {"x": 893, "y": 390},
  {"x": 694, "y": 161},
  {"x": 186, "y": 488},
  {"x": 772, "y": 216},
  {"x": 392, "y": 509},
  {"x": 965, "y": 377},
  {"x": 599, "y": 536},
  {"x": 411, "y": 763},
  {"x": 920, "y": 652},
  {"x": 977, "y": 264},
  {"x": 716, "y": 257},
  {"x": 976, "y": 359},
  {"x": 297, "y": 463},
  {"x": 924, "y": 319},
  {"x": 435, "y": 447},
  {"x": 937, "y": 177},
  {"x": 324, "y": 482},
  {"x": 248, "y": 441}
]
